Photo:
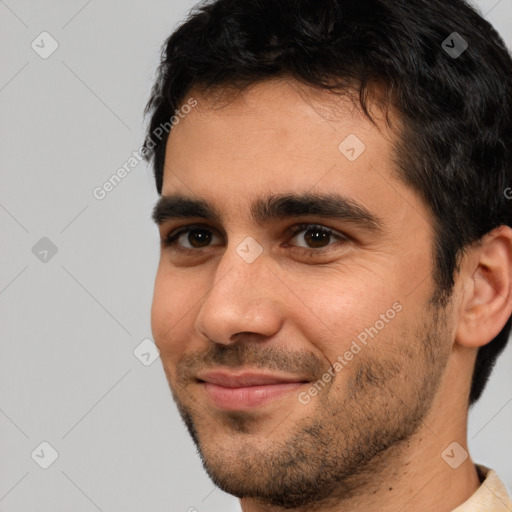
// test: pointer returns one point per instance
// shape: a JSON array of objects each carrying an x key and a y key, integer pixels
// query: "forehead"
[{"x": 280, "y": 137}]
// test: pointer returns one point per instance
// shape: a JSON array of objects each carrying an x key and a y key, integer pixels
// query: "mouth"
[{"x": 248, "y": 390}]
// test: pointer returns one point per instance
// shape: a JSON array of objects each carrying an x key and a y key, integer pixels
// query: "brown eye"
[
  {"x": 197, "y": 237},
  {"x": 315, "y": 237}
]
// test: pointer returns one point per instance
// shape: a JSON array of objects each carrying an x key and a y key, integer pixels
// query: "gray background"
[{"x": 69, "y": 325}]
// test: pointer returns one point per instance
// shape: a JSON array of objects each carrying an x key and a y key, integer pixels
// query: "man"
[{"x": 335, "y": 281}]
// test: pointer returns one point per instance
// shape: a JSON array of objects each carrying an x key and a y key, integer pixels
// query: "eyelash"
[{"x": 170, "y": 241}]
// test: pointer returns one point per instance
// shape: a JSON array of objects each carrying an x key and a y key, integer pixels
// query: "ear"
[{"x": 487, "y": 289}]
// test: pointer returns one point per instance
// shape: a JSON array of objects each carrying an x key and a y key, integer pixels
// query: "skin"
[{"x": 372, "y": 438}]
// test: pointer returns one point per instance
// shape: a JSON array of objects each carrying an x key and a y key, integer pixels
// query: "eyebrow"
[{"x": 272, "y": 208}]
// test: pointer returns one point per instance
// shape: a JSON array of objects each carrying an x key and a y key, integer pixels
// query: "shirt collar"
[{"x": 491, "y": 496}]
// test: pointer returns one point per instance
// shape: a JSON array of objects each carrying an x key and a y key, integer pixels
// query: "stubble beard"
[{"x": 346, "y": 437}]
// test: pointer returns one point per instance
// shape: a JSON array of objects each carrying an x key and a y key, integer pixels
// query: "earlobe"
[{"x": 487, "y": 294}]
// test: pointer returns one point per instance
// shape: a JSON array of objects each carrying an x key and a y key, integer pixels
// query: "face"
[{"x": 292, "y": 300}]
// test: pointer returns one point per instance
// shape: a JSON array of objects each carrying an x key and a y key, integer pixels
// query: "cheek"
[
  {"x": 344, "y": 308},
  {"x": 170, "y": 316}
]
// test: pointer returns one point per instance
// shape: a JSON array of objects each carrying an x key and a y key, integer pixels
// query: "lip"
[
  {"x": 245, "y": 379},
  {"x": 238, "y": 391}
]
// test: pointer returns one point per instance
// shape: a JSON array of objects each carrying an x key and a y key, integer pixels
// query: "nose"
[{"x": 243, "y": 298}]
